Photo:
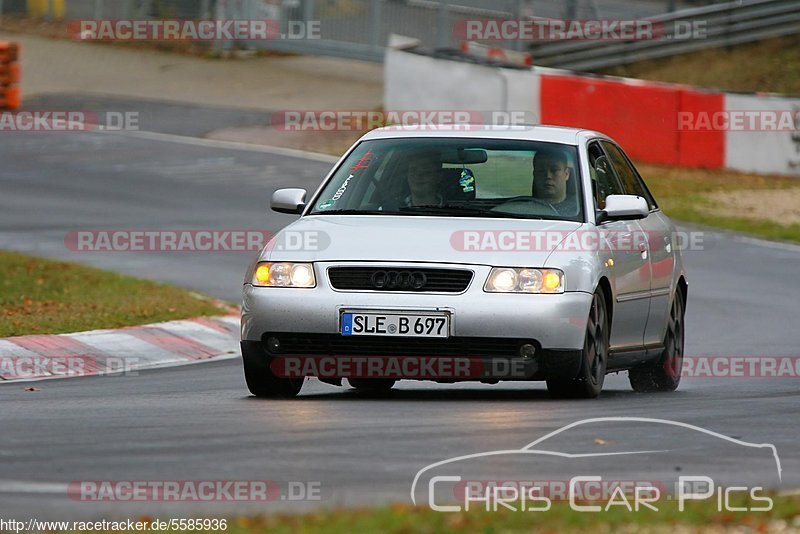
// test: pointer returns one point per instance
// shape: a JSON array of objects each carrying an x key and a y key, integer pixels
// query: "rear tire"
[
  {"x": 262, "y": 382},
  {"x": 372, "y": 385},
  {"x": 664, "y": 374},
  {"x": 589, "y": 382}
]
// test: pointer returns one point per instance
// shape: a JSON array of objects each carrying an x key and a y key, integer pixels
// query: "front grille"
[
  {"x": 400, "y": 279},
  {"x": 337, "y": 345}
]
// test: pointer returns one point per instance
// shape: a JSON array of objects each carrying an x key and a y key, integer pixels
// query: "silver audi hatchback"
[{"x": 469, "y": 253}]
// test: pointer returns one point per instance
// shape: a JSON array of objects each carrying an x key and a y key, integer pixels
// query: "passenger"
[{"x": 550, "y": 176}]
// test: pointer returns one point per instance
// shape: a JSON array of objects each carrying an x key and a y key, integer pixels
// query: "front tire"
[
  {"x": 589, "y": 382},
  {"x": 260, "y": 379},
  {"x": 664, "y": 374}
]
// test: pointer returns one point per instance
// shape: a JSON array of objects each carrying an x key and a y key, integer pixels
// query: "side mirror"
[
  {"x": 623, "y": 208},
  {"x": 290, "y": 201}
]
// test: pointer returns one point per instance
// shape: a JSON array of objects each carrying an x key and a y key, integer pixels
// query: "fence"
[
  {"x": 350, "y": 28},
  {"x": 108, "y": 9}
]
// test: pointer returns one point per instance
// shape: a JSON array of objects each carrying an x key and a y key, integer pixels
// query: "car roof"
[{"x": 553, "y": 134}]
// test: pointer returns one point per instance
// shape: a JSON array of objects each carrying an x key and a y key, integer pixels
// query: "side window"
[
  {"x": 630, "y": 179},
  {"x": 604, "y": 181}
]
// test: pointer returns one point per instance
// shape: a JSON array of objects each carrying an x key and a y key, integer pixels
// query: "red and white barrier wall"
[{"x": 661, "y": 123}]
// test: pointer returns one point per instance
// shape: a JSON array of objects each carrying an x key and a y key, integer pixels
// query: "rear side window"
[{"x": 631, "y": 181}]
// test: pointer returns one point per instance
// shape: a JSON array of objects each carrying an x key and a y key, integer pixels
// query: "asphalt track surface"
[{"x": 199, "y": 423}]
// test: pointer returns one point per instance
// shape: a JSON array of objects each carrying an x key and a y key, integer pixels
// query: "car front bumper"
[{"x": 555, "y": 322}]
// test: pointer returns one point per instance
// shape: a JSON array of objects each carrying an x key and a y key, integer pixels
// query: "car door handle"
[
  {"x": 643, "y": 250},
  {"x": 668, "y": 245}
]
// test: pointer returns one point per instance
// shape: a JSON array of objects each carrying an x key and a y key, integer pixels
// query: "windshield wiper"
[
  {"x": 460, "y": 210},
  {"x": 354, "y": 212}
]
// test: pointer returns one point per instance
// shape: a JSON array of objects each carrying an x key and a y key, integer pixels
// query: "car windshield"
[{"x": 450, "y": 177}]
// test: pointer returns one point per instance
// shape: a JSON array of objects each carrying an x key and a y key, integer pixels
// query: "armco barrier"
[{"x": 10, "y": 97}]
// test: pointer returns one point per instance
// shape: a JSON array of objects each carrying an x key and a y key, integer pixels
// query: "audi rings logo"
[{"x": 398, "y": 280}]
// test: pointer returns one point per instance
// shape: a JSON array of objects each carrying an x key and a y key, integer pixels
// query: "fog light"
[
  {"x": 527, "y": 351},
  {"x": 262, "y": 274},
  {"x": 552, "y": 282},
  {"x": 273, "y": 344}
]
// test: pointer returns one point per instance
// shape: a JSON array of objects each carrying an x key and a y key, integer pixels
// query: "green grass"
[
  {"x": 683, "y": 195},
  {"x": 700, "y": 516},
  {"x": 39, "y": 296},
  {"x": 771, "y": 65}
]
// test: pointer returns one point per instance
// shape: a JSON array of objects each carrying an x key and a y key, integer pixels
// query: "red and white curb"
[{"x": 120, "y": 351}]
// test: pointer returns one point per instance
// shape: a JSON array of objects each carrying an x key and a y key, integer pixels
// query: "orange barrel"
[
  {"x": 13, "y": 97},
  {"x": 9, "y": 73},
  {"x": 9, "y": 52}
]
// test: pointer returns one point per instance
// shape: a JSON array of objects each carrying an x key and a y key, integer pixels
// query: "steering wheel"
[{"x": 516, "y": 203}]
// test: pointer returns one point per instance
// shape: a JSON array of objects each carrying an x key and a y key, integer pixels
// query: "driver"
[
  {"x": 550, "y": 177},
  {"x": 424, "y": 177}
]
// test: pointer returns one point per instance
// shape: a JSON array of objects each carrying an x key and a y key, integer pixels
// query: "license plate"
[{"x": 395, "y": 324}]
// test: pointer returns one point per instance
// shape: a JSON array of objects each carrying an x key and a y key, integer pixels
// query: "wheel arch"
[
  {"x": 604, "y": 285},
  {"x": 683, "y": 287}
]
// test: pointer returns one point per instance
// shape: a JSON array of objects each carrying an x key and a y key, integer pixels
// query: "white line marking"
[
  {"x": 768, "y": 244},
  {"x": 737, "y": 237},
  {"x": 19, "y": 486},
  {"x": 232, "y": 145}
]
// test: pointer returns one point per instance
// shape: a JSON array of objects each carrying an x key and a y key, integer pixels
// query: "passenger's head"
[{"x": 550, "y": 174}]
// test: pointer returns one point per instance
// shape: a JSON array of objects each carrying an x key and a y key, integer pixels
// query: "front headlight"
[
  {"x": 271, "y": 274},
  {"x": 515, "y": 280}
]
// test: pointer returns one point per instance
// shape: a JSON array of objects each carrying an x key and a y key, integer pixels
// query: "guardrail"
[
  {"x": 9, "y": 76},
  {"x": 728, "y": 24}
]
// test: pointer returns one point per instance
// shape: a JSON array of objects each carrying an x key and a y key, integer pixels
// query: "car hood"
[{"x": 424, "y": 239}]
